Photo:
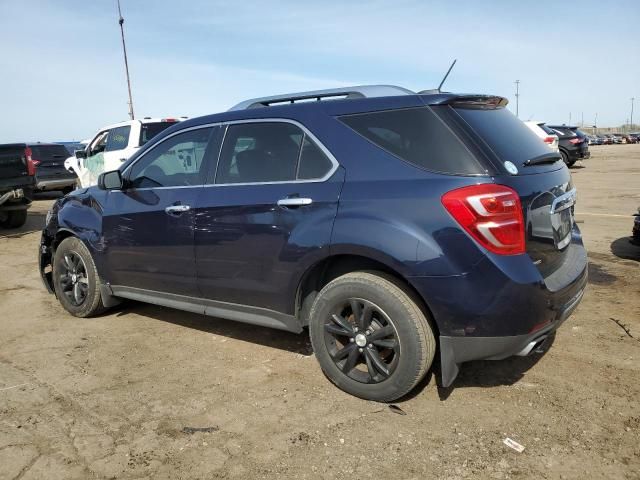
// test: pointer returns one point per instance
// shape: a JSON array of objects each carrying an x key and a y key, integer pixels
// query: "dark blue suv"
[{"x": 392, "y": 224}]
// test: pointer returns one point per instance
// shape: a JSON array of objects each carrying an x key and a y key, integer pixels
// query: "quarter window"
[
  {"x": 118, "y": 139},
  {"x": 177, "y": 161},
  {"x": 269, "y": 152},
  {"x": 417, "y": 136}
]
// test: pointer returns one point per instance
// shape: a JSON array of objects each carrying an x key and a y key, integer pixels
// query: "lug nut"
[
  {"x": 352, "y": 340},
  {"x": 370, "y": 345},
  {"x": 360, "y": 350}
]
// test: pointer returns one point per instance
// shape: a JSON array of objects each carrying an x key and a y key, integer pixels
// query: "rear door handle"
[
  {"x": 294, "y": 202},
  {"x": 177, "y": 209}
]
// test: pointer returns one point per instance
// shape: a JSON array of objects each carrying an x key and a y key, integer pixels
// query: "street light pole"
[
  {"x": 517, "y": 98},
  {"x": 631, "y": 122},
  {"x": 126, "y": 63}
]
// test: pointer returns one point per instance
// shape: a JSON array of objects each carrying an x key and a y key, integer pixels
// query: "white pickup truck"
[{"x": 113, "y": 145}]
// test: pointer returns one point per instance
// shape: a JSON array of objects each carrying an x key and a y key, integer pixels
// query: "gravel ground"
[{"x": 150, "y": 392}]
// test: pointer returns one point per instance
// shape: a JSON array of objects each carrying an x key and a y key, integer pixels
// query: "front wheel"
[
  {"x": 370, "y": 337},
  {"x": 75, "y": 279}
]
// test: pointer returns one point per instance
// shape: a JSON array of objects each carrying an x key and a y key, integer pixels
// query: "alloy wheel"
[
  {"x": 73, "y": 279},
  {"x": 362, "y": 341}
]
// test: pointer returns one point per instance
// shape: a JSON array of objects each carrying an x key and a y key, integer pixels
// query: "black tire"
[
  {"x": 406, "y": 354},
  {"x": 565, "y": 158},
  {"x": 73, "y": 256},
  {"x": 14, "y": 219}
]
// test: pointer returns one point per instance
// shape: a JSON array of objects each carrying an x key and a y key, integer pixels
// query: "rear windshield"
[
  {"x": 508, "y": 137},
  {"x": 49, "y": 153},
  {"x": 150, "y": 130},
  {"x": 417, "y": 136}
]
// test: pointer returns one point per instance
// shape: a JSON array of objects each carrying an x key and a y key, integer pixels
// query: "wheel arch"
[{"x": 333, "y": 266}]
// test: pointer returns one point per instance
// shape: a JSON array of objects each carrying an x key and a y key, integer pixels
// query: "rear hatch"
[
  {"x": 50, "y": 160},
  {"x": 13, "y": 167},
  {"x": 542, "y": 181}
]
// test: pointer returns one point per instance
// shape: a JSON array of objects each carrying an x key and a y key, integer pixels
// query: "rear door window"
[
  {"x": 118, "y": 139},
  {"x": 417, "y": 136},
  {"x": 265, "y": 152}
]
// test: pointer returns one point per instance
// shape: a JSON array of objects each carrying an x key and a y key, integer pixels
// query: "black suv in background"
[
  {"x": 48, "y": 159},
  {"x": 574, "y": 144}
]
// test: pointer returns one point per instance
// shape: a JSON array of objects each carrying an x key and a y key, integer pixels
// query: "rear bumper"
[
  {"x": 55, "y": 183},
  {"x": 457, "y": 350},
  {"x": 579, "y": 154},
  {"x": 502, "y": 307}
]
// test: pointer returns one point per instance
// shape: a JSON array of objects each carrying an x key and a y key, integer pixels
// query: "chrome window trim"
[{"x": 306, "y": 131}]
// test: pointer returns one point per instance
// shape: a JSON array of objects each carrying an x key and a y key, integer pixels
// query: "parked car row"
[
  {"x": 614, "y": 138},
  {"x": 395, "y": 225}
]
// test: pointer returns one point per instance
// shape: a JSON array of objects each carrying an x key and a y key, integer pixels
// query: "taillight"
[
  {"x": 575, "y": 141},
  {"x": 31, "y": 164},
  {"x": 548, "y": 139},
  {"x": 491, "y": 214}
]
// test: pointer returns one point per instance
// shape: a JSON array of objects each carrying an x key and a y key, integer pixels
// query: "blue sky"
[{"x": 62, "y": 75}]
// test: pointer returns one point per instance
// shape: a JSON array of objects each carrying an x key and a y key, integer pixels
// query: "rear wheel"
[
  {"x": 370, "y": 337},
  {"x": 565, "y": 158},
  {"x": 75, "y": 279},
  {"x": 13, "y": 218}
]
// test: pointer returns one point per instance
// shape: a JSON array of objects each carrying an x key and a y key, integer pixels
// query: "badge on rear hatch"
[{"x": 511, "y": 168}]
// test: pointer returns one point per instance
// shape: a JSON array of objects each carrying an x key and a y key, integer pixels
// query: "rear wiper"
[{"x": 550, "y": 157}]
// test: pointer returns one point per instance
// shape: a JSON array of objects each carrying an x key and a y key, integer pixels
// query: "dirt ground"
[{"x": 150, "y": 392}]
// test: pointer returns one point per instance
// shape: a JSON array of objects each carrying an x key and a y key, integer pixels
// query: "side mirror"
[
  {"x": 81, "y": 153},
  {"x": 110, "y": 180}
]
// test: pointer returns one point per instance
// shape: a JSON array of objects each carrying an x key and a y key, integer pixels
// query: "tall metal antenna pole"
[
  {"x": 518, "y": 98},
  {"x": 631, "y": 122},
  {"x": 126, "y": 63}
]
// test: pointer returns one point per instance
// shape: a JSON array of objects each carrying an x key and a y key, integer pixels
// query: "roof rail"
[{"x": 360, "y": 91}]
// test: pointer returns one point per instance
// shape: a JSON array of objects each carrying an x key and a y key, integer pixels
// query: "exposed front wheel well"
[{"x": 333, "y": 267}]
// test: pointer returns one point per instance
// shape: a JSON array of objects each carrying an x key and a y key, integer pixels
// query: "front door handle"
[
  {"x": 177, "y": 209},
  {"x": 294, "y": 202}
]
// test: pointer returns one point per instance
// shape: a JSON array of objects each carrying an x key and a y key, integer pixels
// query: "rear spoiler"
[{"x": 466, "y": 100}]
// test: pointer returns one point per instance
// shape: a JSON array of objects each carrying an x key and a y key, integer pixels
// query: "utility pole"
[
  {"x": 126, "y": 63},
  {"x": 517, "y": 98},
  {"x": 582, "y": 119},
  {"x": 595, "y": 123},
  {"x": 569, "y": 118},
  {"x": 631, "y": 122}
]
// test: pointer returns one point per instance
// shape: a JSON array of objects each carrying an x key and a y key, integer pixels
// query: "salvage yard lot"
[{"x": 150, "y": 392}]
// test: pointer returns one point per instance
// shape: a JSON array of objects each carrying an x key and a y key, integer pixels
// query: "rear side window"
[
  {"x": 264, "y": 152},
  {"x": 418, "y": 136},
  {"x": 150, "y": 130},
  {"x": 508, "y": 137},
  {"x": 118, "y": 139}
]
